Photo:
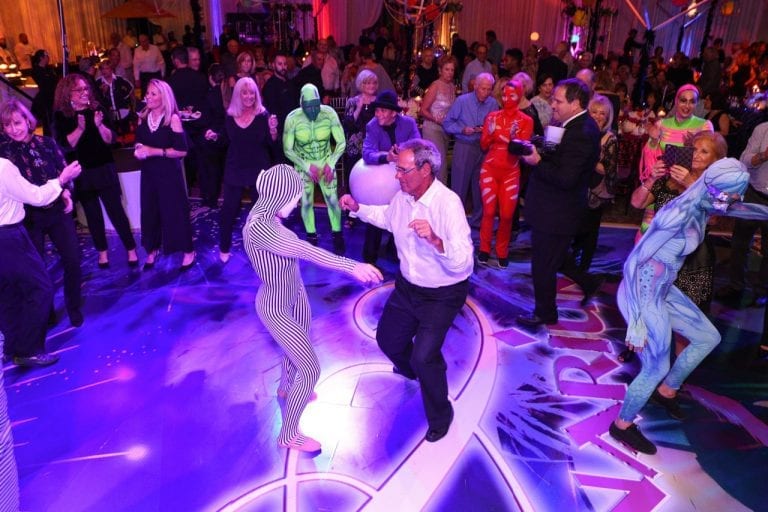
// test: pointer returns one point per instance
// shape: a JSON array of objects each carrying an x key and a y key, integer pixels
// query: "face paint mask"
[
  {"x": 311, "y": 109},
  {"x": 511, "y": 94}
]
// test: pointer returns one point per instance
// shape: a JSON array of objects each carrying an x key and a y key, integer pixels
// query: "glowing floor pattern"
[{"x": 164, "y": 400}]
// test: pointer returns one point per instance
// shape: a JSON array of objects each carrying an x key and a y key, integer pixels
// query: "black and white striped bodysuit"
[{"x": 281, "y": 301}]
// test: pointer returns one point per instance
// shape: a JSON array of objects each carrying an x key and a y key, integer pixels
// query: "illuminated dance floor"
[{"x": 164, "y": 400}]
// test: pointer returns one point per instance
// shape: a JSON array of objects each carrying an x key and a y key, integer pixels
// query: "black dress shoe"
[
  {"x": 133, "y": 263},
  {"x": 103, "y": 264},
  {"x": 436, "y": 434},
  {"x": 534, "y": 320},
  {"x": 42, "y": 359},
  {"x": 151, "y": 260},
  {"x": 632, "y": 437},
  {"x": 312, "y": 238},
  {"x": 672, "y": 405},
  {"x": 592, "y": 290},
  {"x": 407, "y": 375}
]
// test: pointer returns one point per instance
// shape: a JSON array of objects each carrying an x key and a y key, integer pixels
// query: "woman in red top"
[{"x": 500, "y": 172}]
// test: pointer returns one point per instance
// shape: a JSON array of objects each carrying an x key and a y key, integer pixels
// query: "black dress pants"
[
  {"x": 25, "y": 294},
  {"x": 60, "y": 228},
  {"x": 550, "y": 255},
  {"x": 411, "y": 333},
  {"x": 230, "y": 208}
]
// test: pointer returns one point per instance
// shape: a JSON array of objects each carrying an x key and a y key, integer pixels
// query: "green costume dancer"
[{"x": 307, "y": 143}]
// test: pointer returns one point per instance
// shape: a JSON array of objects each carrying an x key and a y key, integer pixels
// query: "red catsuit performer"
[{"x": 500, "y": 173}]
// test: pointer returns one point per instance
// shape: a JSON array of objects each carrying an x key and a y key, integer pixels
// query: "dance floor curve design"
[{"x": 164, "y": 400}]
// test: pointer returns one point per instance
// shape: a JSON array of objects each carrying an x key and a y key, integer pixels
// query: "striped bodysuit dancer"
[{"x": 281, "y": 301}]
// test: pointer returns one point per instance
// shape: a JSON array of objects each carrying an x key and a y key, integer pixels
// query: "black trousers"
[
  {"x": 165, "y": 211},
  {"x": 743, "y": 231},
  {"x": 210, "y": 171},
  {"x": 372, "y": 243},
  {"x": 110, "y": 195},
  {"x": 230, "y": 207},
  {"x": 25, "y": 293},
  {"x": 550, "y": 255},
  {"x": 585, "y": 243},
  {"x": 60, "y": 228},
  {"x": 411, "y": 333}
]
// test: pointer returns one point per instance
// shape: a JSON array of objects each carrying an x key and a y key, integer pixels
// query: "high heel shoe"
[
  {"x": 187, "y": 266},
  {"x": 105, "y": 263},
  {"x": 133, "y": 263},
  {"x": 149, "y": 264}
]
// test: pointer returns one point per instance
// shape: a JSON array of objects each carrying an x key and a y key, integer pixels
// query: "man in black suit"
[
  {"x": 557, "y": 199},
  {"x": 280, "y": 96},
  {"x": 190, "y": 88}
]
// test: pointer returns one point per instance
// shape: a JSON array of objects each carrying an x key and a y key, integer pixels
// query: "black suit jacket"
[{"x": 557, "y": 189}]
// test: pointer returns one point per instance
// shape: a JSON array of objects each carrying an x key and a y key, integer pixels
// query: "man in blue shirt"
[{"x": 465, "y": 121}]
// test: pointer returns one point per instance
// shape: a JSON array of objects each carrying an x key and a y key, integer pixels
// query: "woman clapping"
[{"x": 160, "y": 145}]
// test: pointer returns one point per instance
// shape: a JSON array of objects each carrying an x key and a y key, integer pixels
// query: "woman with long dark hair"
[{"x": 82, "y": 129}]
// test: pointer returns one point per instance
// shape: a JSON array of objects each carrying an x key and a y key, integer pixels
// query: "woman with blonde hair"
[
  {"x": 81, "y": 128},
  {"x": 357, "y": 113},
  {"x": 600, "y": 109},
  {"x": 437, "y": 101},
  {"x": 160, "y": 146},
  {"x": 250, "y": 133},
  {"x": 39, "y": 159},
  {"x": 246, "y": 67}
]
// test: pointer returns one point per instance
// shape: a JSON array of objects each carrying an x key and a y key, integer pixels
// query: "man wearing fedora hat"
[{"x": 383, "y": 133}]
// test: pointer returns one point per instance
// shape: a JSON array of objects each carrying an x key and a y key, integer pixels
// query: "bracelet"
[
  {"x": 165, "y": 152},
  {"x": 645, "y": 187}
]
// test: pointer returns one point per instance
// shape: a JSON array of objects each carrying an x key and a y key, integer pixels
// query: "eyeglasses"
[
  {"x": 406, "y": 171},
  {"x": 80, "y": 90}
]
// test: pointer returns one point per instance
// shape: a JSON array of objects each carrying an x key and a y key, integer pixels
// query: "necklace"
[{"x": 152, "y": 124}]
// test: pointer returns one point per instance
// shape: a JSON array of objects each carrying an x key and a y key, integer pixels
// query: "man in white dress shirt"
[
  {"x": 436, "y": 259},
  {"x": 26, "y": 291},
  {"x": 148, "y": 63}
]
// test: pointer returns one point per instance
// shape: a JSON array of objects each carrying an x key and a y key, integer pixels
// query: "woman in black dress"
[
  {"x": 251, "y": 135},
  {"x": 81, "y": 127},
  {"x": 160, "y": 146},
  {"x": 39, "y": 159}
]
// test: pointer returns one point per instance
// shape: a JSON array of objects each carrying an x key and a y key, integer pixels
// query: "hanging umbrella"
[{"x": 137, "y": 9}]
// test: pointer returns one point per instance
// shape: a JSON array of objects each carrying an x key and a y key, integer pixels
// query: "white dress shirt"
[
  {"x": 147, "y": 61},
  {"x": 15, "y": 191},
  {"x": 758, "y": 143},
  {"x": 420, "y": 262}
]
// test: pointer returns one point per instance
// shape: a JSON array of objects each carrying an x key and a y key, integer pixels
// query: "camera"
[{"x": 519, "y": 147}]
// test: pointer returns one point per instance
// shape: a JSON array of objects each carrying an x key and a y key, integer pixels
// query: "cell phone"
[{"x": 678, "y": 155}]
